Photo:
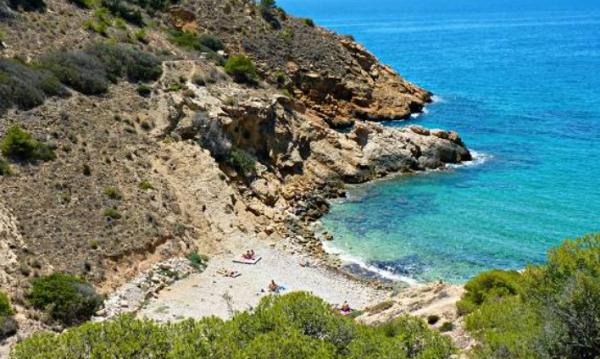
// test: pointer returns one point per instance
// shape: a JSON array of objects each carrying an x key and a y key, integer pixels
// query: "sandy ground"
[{"x": 210, "y": 293}]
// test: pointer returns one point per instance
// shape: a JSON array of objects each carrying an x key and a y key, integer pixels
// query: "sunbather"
[
  {"x": 345, "y": 309},
  {"x": 273, "y": 287},
  {"x": 249, "y": 254}
]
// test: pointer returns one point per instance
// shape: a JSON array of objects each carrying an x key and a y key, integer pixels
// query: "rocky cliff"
[{"x": 194, "y": 158}]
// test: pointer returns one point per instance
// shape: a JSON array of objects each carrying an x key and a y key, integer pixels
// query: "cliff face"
[{"x": 197, "y": 162}]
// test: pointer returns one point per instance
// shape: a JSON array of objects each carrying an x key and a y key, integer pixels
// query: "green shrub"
[
  {"x": 204, "y": 43},
  {"x": 241, "y": 69},
  {"x": 446, "y": 327},
  {"x": 8, "y": 326},
  {"x": 141, "y": 36},
  {"x": 308, "y": 22},
  {"x": 20, "y": 146},
  {"x": 25, "y": 86},
  {"x": 242, "y": 162},
  {"x": 211, "y": 41},
  {"x": 266, "y": 8},
  {"x": 145, "y": 185},
  {"x": 67, "y": 298},
  {"x": 124, "y": 10},
  {"x": 113, "y": 193},
  {"x": 198, "y": 261},
  {"x": 4, "y": 168},
  {"x": 112, "y": 213},
  {"x": 28, "y": 5},
  {"x": 5, "y": 307},
  {"x": 487, "y": 285},
  {"x": 554, "y": 313},
  {"x": 296, "y": 325},
  {"x": 84, "y": 4},
  {"x": 144, "y": 90},
  {"x": 91, "y": 71}
]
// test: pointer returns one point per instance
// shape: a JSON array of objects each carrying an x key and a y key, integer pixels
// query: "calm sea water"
[{"x": 520, "y": 81}]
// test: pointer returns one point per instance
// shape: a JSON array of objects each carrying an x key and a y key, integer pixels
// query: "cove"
[{"x": 521, "y": 86}]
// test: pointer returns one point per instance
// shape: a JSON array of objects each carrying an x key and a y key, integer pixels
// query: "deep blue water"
[{"x": 520, "y": 81}]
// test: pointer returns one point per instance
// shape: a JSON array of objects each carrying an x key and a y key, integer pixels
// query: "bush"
[
  {"x": 204, "y": 43},
  {"x": 554, "y": 313},
  {"x": 79, "y": 70},
  {"x": 28, "y": 5},
  {"x": 145, "y": 185},
  {"x": 5, "y": 307},
  {"x": 20, "y": 146},
  {"x": 446, "y": 327},
  {"x": 198, "y": 261},
  {"x": 113, "y": 193},
  {"x": 309, "y": 22},
  {"x": 90, "y": 71},
  {"x": 241, "y": 69},
  {"x": 67, "y": 298},
  {"x": 296, "y": 325},
  {"x": 488, "y": 285},
  {"x": 84, "y": 4},
  {"x": 26, "y": 87},
  {"x": 125, "y": 11},
  {"x": 267, "y": 8},
  {"x": 242, "y": 162},
  {"x": 111, "y": 213},
  {"x": 4, "y": 168}
]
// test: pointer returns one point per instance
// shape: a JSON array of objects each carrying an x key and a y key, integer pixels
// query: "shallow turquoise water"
[{"x": 522, "y": 85}]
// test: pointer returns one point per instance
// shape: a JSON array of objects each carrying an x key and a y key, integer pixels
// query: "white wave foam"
[
  {"x": 437, "y": 99},
  {"x": 425, "y": 111},
  {"x": 479, "y": 158},
  {"x": 347, "y": 258}
]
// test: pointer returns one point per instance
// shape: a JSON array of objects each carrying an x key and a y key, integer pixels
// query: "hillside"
[{"x": 160, "y": 129}]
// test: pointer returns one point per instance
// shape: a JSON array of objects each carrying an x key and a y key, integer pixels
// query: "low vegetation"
[
  {"x": 19, "y": 145},
  {"x": 66, "y": 298},
  {"x": 267, "y": 11},
  {"x": 92, "y": 70},
  {"x": 8, "y": 326},
  {"x": 4, "y": 168},
  {"x": 548, "y": 311},
  {"x": 25, "y": 87},
  {"x": 241, "y": 69},
  {"x": 206, "y": 43},
  {"x": 198, "y": 261},
  {"x": 242, "y": 162},
  {"x": 297, "y": 325}
]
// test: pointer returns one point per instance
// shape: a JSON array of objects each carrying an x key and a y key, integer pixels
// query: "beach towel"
[{"x": 247, "y": 261}]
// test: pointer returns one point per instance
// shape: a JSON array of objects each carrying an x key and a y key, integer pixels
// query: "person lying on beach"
[
  {"x": 345, "y": 309},
  {"x": 249, "y": 254},
  {"x": 228, "y": 273},
  {"x": 273, "y": 287}
]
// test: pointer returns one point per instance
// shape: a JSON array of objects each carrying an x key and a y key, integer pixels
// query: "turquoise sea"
[{"x": 520, "y": 81}]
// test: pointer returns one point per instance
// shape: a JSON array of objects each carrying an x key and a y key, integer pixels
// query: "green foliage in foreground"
[
  {"x": 241, "y": 68},
  {"x": 67, "y": 298},
  {"x": 550, "y": 311},
  {"x": 21, "y": 146},
  {"x": 488, "y": 286},
  {"x": 297, "y": 325}
]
